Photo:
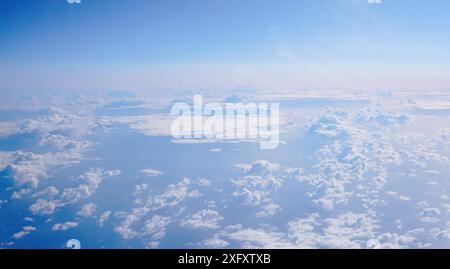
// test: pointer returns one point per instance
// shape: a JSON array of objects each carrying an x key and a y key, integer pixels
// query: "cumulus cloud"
[
  {"x": 350, "y": 154},
  {"x": 152, "y": 244},
  {"x": 204, "y": 219},
  {"x": 44, "y": 207},
  {"x": 204, "y": 182},
  {"x": 58, "y": 140},
  {"x": 26, "y": 169},
  {"x": 214, "y": 243},
  {"x": 353, "y": 167},
  {"x": 64, "y": 226},
  {"x": 156, "y": 227},
  {"x": 24, "y": 232},
  {"x": 128, "y": 228},
  {"x": 74, "y": 1},
  {"x": 49, "y": 193},
  {"x": 261, "y": 179},
  {"x": 430, "y": 215},
  {"x": 441, "y": 234},
  {"x": 174, "y": 194},
  {"x": 104, "y": 217},
  {"x": 260, "y": 238},
  {"x": 374, "y": 1},
  {"x": 89, "y": 182},
  {"x": 141, "y": 188},
  {"x": 348, "y": 230},
  {"x": 87, "y": 210}
]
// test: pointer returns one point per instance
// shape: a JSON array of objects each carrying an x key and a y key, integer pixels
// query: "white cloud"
[
  {"x": 174, "y": 195},
  {"x": 49, "y": 193},
  {"x": 398, "y": 196},
  {"x": 260, "y": 167},
  {"x": 64, "y": 226},
  {"x": 214, "y": 243},
  {"x": 104, "y": 217},
  {"x": 204, "y": 182},
  {"x": 74, "y": 1},
  {"x": 268, "y": 209},
  {"x": 355, "y": 160},
  {"x": 204, "y": 219},
  {"x": 127, "y": 227},
  {"x": 151, "y": 125},
  {"x": 354, "y": 150},
  {"x": 259, "y": 238},
  {"x": 153, "y": 244},
  {"x": 89, "y": 182},
  {"x": 60, "y": 140},
  {"x": 20, "y": 234},
  {"x": 348, "y": 230},
  {"x": 25, "y": 231},
  {"x": 262, "y": 178},
  {"x": 441, "y": 234},
  {"x": 44, "y": 207},
  {"x": 156, "y": 227},
  {"x": 430, "y": 215},
  {"x": 87, "y": 210},
  {"x": 374, "y": 1},
  {"x": 29, "y": 219},
  {"x": 151, "y": 172},
  {"x": 396, "y": 241},
  {"x": 3, "y": 202},
  {"x": 26, "y": 168},
  {"x": 141, "y": 188}
]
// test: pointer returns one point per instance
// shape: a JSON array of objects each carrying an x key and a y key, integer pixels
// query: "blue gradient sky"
[{"x": 289, "y": 44}]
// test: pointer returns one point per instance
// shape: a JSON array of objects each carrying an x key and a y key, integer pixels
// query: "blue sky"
[
  {"x": 397, "y": 44},
  {"x": 97, "y": 162}
]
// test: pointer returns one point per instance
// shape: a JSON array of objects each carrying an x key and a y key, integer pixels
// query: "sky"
[
  {"x": 102, "y": 167},
  {"x": 217, "y": 44}
]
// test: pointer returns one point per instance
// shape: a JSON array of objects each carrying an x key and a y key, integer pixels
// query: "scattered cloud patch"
[
  {"x": 134, "y": 223},
  {"x": 25, "y": 231},
  {"x": 87, "y": 210},
  {"x": 64, "y": 226},
  {"x": 151, "y": 172},
  {"x": 214, "y": 243},
  {"x": 156, "y": 227},
  {"x": 204, "y": 219},
  {"x": 88, "y": 184},
  {"x": 104, "y": 217}
]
